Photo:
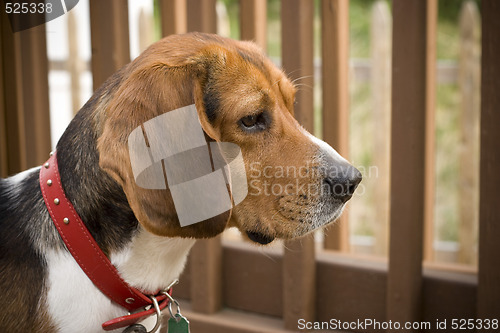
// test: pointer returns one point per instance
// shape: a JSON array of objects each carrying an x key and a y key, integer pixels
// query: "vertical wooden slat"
[
  {"x": 202, "y": 16},
  {"x": 335, "y": 77},
  {"x": 173, "y": 17},
  {"x": 4, "y": 167},
  {"x": 430, "y": 128},
  {"x": 35, "y": 95},
  {"x": 206, "y": 255},
  {"x": 13, "y": 101},
  {"x": 253, "y": 21},
  {"x": 297, "y": 55},
  {"x": 206, "y": 275},
  {"x": 299, "y": 262},
  {"x": 146, "y": 30},
  {"x": 109, "y": 38},
  {"x": 74, "y": 63},
  {"x": 26, "y": 117},
  {"x": 381, "y": 33},
  {"x": 489, "y": 208},
  {"x": 408, "y": 130},
  {"x": 299, "y": 282},
  {"x": 470, "y": 93}
]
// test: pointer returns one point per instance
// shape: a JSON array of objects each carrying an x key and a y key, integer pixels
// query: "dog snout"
[{"x": 341, "y": 181}]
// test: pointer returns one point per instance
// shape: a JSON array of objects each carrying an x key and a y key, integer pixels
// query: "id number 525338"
[{"x": 28, "y": 7}]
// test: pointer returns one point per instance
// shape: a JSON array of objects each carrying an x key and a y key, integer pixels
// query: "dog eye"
[
  {"x": 249, "y": 121},
  {"x": 254, "y": 122}
]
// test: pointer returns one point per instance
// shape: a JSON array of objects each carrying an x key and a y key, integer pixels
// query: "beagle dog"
[{"x": 296, "y": 182}]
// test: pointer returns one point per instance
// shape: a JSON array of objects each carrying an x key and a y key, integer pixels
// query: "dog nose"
[{"x": 342, "y": 181}]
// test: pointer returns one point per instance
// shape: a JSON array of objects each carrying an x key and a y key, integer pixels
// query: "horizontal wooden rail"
[
  {"x": 347, "y": 287},
  {"x": 229, "y": 321},
  {"x": 361, "y": 69}
]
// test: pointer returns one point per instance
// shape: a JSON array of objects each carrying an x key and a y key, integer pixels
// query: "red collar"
[{"x": 89, "y": 256}]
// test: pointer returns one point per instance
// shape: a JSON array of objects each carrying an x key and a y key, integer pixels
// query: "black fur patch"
[
  {"x": 257, "y": 62},
  {"x": 22, "y": 270},
  {"x": 98, "y": 199},
  {"x": 26, "y": 227},
  {"x": 252, "y": 59},
  {"x": 211, "y": 99}
]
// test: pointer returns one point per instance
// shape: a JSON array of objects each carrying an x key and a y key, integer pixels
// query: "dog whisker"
[
  {"x": 289, "y": 74},
  {"x": 303, "y": 85},
  {"x": 261, "y": 250},
  {"x": 301, "y": 78}
]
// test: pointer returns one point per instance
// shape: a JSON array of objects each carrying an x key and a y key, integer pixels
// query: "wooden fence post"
[
  {"x": 409, "y": 170},
  {"x": 74, "y": 63},
  {"x": 35, "y": 69},
  {"x": 469, "y": 84},
  {"x": 14, "y": 144},
  {"x": 335, "y": 81},
  {"x": 25, "y": 95},
  {"x": 109, "y": 38},
  {"x": 489, "y": 191},
  {"x": 381, "y": 32},
  {"x": 202, "y": 16},
  {"x": 430, "y": 128},
  {"x": 146, "y": 30},
  {"x": 4, "y": 166},
  {"x": 173, "y": 17},
  {"x": 253, "y": 21},
  {"x": 206, "y": 275},
  {"x": 299, "y": 266}
]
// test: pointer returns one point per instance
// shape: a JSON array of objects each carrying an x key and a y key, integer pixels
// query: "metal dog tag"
[
  {"x": 136, "y": 328},
  {"x": 179, "y": 324}
]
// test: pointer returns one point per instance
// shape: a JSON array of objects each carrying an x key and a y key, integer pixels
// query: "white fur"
[
  {"x": 323, "y": 214},
  {"x": 149, "y": 262},
  {"x": 18, "y": 178},
  {"x": 152, "y": 262},
  {"x": 74, "y": 303},
  {"x": 326, "y": 148}
]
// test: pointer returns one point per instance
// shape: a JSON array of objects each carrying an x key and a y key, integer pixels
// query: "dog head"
[{"x": 296, "y": 183}]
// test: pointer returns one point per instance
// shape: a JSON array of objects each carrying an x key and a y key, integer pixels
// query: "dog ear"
[{"x": 148, "y": 92}]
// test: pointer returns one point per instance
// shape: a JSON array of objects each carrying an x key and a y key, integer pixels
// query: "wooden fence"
[
  {"x": 233, "y": 287},
  {"x": 371, "y": 210},
  {"x": 461, "y": 187}
]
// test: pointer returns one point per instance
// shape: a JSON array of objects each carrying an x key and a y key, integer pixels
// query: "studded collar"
[{"x": 90, "y": 257}]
